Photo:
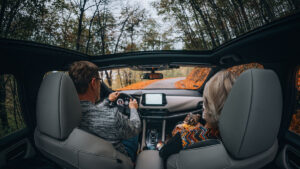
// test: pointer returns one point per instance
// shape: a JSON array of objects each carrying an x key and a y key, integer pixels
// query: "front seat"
[
  {"x": 58, "y": 114},
  {"x": 248, "y": 125}
]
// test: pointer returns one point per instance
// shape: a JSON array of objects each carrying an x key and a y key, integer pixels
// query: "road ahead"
[{"x": 167, "y": 83}]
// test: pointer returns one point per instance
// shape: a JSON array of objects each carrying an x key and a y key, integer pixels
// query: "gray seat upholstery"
[
  {"x": 57, "y": 136},
  {"x": 248, "y": 124},
  {"x": 149, "y": 159}
]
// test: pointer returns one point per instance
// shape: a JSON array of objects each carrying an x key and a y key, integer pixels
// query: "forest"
[
  {"x": 10, "y": 107},
  {"x": 99, "y": 27}
]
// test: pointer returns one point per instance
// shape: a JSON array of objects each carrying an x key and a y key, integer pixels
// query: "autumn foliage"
[
  {"x": 194, "y": 80},
  {"x": 295, "y": 123},
  {"x": 237, "y": 70},
  {"x": 139, "y": 85},
  {"x": 198, "y": 75}
]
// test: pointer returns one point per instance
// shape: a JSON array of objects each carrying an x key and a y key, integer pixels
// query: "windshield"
[
  {"x": 98, "y": 27},
  {"x": 180, "y": 78}
]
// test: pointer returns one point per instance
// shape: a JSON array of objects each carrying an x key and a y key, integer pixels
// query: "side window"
[
  {"x": 241, "y": 68},
  {"x": 11, "y": 118},
  {"x": 295, "y": 123}
]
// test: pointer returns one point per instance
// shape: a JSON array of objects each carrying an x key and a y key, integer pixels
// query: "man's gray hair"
[{"x": 215, "y": 93}]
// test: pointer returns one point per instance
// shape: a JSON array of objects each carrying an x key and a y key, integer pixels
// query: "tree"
[
  {"x": 18, "y": 19},
  {"x": 103, "y": 20},
  {"x": 133, "y": 23},
  {"x": 82, "y": 6},
  {"x": 194, "y": 23},
  {"x": 150, "y": 35},
  {"x": 3, "y": 113},
  {"x": 91, "y": 24}
]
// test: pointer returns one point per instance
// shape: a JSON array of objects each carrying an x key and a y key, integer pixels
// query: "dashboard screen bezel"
[{"x": 164, "y": 100}]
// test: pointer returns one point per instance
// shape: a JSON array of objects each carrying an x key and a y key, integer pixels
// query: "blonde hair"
[{"x": 215, "y": 93}]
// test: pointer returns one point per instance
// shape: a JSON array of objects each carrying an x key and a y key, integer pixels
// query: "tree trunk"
[
  {"x": 103, "y": 31},
  {"x": 120, "y": 78},
  {"x": 131, "y": 37},
  {"x": 238, "y": 17},
  {"x": 219, "y": 19},
  {"x": 196, "y": 44},
  {"x": 3, "y": 7},
  {"x": 259, "y": 10},
  {"x": 11, "y": 17},
  {"x": 90, "y": 27},
  {"x": 187, "y": 33},
  {"x": 200, "y": 29},
  {"x": 79, "y": 29},
  {"x": 213, "y": 26},
  {"x": 295, "y": 4},
  {"x": 89, "y": 36},
  {"x": 194, "y": 4},
  {"x": 65, "y": 30},
  {"x": 244, "y": 15},
  {"x": 121, "y": 32},
  {"x": 265, "y": 6},
  {"x": 15, "y": 102},
  {"x": 3, "y": 113},
  {"x": 108, "y": 77},
  {"x": 230, "y": 15}
]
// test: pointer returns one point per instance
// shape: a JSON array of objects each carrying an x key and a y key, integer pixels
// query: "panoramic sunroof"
[{"x": 98, "y": 27}]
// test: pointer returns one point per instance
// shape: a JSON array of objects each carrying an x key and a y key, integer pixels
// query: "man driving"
[{"x": 104, "y": 120}]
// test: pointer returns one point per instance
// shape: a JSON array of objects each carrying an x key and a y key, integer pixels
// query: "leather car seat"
[
  {"x": 248, "y": 124},
  {"x": 58, "y": 114}
]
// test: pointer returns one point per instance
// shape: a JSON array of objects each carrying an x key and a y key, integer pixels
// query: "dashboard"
[
  {"x": 160, "y": 109},
  {"x": 164, "y": 104}
]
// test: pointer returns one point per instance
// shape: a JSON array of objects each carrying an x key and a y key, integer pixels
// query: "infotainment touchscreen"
[{"x": 154, "y": 99}]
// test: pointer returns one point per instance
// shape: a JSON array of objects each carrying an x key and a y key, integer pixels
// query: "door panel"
[
  {"x": 20, "y": 150},
  {"x": 289, "y": 158}
]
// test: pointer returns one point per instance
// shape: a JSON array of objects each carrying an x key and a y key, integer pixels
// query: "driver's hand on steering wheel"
[
  {"x": 113, "y": 96},
  {"x": 133, "y": 104}
]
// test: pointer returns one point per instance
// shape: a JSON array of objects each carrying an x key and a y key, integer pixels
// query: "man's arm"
[
  {"x": 111, "y": 98},
  {"x": 105, "y": 102},
  {"x": 129, "y": 127}
]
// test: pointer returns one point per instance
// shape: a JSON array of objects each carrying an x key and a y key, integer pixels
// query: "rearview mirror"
[{"x": 152, "y": 76}]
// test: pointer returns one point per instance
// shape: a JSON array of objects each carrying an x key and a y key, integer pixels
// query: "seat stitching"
[
  {"x": 59, "y": 108},
  {"x": 199, "y": 148},
  {"x": 251, "y": 97}
]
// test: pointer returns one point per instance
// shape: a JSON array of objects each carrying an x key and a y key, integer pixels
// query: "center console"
[
  {"x": 153, "y": 128},
  {"x": 155, "y": 111},
  {"x": 153, "y": 133}
]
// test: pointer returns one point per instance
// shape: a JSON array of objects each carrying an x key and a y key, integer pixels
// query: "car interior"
[{"x": 254, "y": 124}]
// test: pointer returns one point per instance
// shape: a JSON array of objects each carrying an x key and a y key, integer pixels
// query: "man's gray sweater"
[{"x": 108, "y": 123}]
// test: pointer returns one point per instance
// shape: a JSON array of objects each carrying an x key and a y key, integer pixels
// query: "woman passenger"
[{"x": 190, "y": 132}]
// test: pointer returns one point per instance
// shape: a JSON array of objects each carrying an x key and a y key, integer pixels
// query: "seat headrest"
[
  {"x": 251, "y": 115},
  {"x": 58, "y": 107}
]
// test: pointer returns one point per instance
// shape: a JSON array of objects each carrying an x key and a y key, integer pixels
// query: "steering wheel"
[{"x": 122, "y": 103}]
